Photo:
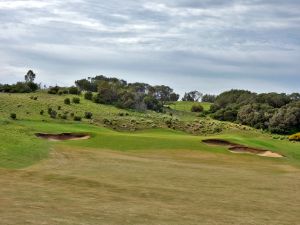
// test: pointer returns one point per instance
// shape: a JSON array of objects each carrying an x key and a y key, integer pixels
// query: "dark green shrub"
[
  {"x": 64, "y": 117},
  {"x": 59, "y": 107},
  {"x": 88, "y": 95},
  {"x": 60, "y": 93},
  {"x": 107, "y": 121},
  {"x": 53, "y": 90},
  {"x": 77, "y": 118},
  {"x": 67, "y": 101},
  {"x": 53, "y": 114},
  {"x": 76, "y": 100},
  {"x": 42, "y": 112},
  {"x": 88, "y": 115},
  {"x": 72, "y": 114},
  {"x": 202, "y": 114},
  {"x": 49, "y": 110},
  {"x": 197, "y": 108},
  {"x": 13, "y": 116},
  {"x": 74, "y": 91}
]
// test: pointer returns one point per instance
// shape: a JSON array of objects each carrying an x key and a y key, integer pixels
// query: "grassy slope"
[
  {"x": 29, "y": 109},
  {"x": 157, "y": 176}
]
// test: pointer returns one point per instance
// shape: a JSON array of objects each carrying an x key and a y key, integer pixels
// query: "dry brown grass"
[{"x": 167, "y": 187}]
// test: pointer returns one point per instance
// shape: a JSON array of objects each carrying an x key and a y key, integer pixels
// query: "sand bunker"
[
  {"x": 236, "y": 148},
  {"x": 63, "y": 136}
]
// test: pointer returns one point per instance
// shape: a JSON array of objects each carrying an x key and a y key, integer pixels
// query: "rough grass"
[
  {"x": 79, "y": 186},
  {"x": 27, "y": 108}
]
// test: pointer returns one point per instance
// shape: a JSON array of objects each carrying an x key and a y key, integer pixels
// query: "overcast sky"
[{"x": 208, "y": 45}]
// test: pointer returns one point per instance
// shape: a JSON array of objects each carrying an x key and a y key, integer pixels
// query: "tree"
[
  {"x": 30, "y": 76},
  {"x": 162, "y": 93},
  {"x": 286, "y": 120},
  {"x": 255, "y": 115},
  {"x": 53, "y": 90},
  {"x": 153, "y": 104},
  {"x": 273, "y": 99},
  {"x": 295, "y": 96},
  {"x": 86, "y": 85},
  {"x": 107, "y": 93},
  {"x": 174, "y": 97},
  {"x": 74, "y": 90},
  {"x": 208, "y": 98},
  {"x": 192, "y": 96}
]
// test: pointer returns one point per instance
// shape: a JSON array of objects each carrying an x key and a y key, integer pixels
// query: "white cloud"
[
  {"x": 23, "y": 4},
  {"x": 234, "y": 39}
]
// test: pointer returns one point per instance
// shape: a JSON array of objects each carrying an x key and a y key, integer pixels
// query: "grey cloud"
[{"x": 246, "y": 43}]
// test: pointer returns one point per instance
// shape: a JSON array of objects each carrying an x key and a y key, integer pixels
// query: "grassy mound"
[{"x": 41, "y": 106}]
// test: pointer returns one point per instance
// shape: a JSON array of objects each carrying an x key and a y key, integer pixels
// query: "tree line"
[
  {"x": 277, "y": 113},
  {"x": 26, "y": 86},
  {"x": 118, "y": 92}
]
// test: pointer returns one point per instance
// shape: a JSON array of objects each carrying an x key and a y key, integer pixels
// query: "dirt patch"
[
  {"x": 236, "y": 148},
  {"x": 63, "y": 136}
]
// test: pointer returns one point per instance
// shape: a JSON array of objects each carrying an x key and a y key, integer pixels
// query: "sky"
[{"x": 205, "y": 45}]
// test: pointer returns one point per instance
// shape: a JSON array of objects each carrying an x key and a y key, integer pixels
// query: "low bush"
[
  {"x": 74, "y": 91},
  {"x": 64, "y": 116},
  {"x": 53, "y": 90},
  {"x": 88, "y": 115},
  {"x": 67, "y": 101},
  {"x": 88, "y": 95},
  {"x": 49, "y": 110},
  {"x": 77, "y": 118},
  {"x": 197, "y": 108},
  {"x": 13, "y": 116},
  {"x": 42, "y": 112},
  {"x": 53, "y": 114},
  {"x": 76, "y": 100}
]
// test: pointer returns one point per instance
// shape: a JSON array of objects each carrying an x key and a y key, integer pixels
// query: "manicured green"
[
  {"x": 20, "y": 147},
  {"x": 187, "y": 106}
]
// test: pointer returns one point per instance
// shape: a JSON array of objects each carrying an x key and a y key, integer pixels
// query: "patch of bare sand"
[
  {"x": 236, "y": 148},
  {"x": 63, "y": 136}
]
